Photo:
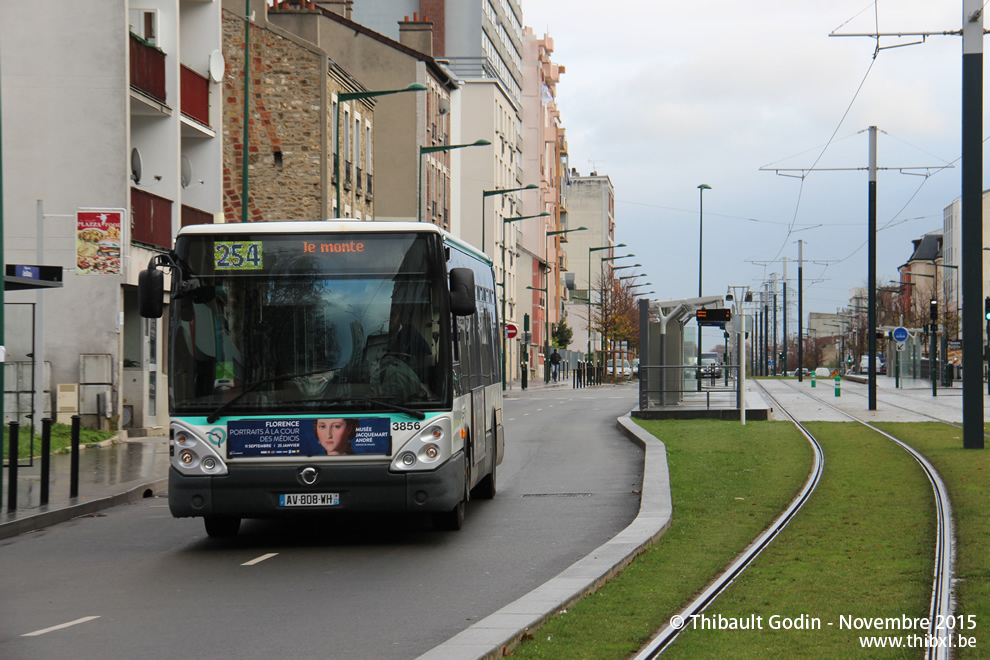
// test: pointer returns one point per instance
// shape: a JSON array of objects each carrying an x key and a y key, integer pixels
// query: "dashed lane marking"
[
  {"x": 258, "y": 560},
  {"x": 60, "y": 626}
]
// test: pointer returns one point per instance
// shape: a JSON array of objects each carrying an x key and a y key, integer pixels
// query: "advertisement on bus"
[{"x": 328, "y": 436}]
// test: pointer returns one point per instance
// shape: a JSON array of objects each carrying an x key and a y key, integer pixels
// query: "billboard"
[
  {"x": 99, "y": 235},
  {"x": 324, "y": 436}
]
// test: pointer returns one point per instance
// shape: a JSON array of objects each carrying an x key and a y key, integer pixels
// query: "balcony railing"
[
  {"x": 369, "y": 187},
  {"x": 359, "y": 180},
  {"x": 347, "y": 174},
  {"x": 151, "y": 219},
  {"x": 147, "y": 68},
  {"x": 195, "y": 91}
]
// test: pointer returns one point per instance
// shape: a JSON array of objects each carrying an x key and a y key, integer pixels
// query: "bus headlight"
[
  {"x": 427, "y": 448},
  {"x": 193, "y": 450}
]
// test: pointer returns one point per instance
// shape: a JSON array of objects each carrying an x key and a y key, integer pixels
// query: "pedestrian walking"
[{"x": 555, "y": 365}]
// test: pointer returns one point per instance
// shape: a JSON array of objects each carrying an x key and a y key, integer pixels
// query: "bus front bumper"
[{"x": 251, "y": 491}]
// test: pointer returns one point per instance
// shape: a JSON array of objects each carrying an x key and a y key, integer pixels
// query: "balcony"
[
  {"x": 147, "y": 68},
  {"x": 195, "y": 95},
  {"x": 193, "y": 216},
  {"x": 151, "y": 219}
]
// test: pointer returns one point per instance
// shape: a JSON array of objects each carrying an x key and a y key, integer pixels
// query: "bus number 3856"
[{"x": 405, "y": 426}]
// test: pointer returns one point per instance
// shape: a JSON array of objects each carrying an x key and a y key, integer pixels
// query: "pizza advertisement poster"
[{"x": 98, "y": 241}]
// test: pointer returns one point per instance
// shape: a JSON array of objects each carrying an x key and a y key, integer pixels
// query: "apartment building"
[
  {"x": 420, "y": 185},
  {"x": 112, "y": 139}
]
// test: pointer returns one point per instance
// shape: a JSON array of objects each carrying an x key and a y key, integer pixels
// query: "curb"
[
  {"x": 38, "y": 521},
  {"x": 495, "y": 635}
]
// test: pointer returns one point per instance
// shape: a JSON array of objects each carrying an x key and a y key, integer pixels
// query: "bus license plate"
[{"x": 309, "y": 499}]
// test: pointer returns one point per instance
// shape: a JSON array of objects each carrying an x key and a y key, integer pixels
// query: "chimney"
[
  {"x": 417, "y": 34},
  {"x": 340, "y": 7}
]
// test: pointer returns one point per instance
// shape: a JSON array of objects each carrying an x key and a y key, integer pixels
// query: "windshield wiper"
[
  {"x": 391, "y": 406},
  {"x": 215, "y": 415}
]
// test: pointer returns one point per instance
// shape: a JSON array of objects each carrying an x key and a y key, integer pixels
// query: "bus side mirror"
[
  {"x": 462, "y": 301},
  {"x": 151, "y": 292}
]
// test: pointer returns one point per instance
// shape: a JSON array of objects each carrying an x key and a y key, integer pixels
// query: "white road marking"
[
  {"x": 258, "y": 560},
  {"x": 60, "y": 626}
]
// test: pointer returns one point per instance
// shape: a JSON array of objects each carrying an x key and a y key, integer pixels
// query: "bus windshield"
[{"x": 278, "y": 324}]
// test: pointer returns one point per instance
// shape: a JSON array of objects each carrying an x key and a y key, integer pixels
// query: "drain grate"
[{"x": 557, "y": 495}]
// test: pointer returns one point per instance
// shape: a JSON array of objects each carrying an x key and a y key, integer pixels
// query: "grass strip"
[
  {"x": 728, "y": 482},
  {"x": 861, "y": 548},
  {"x": 966, "y": 474},
  {"x": 61, "y": 440}
]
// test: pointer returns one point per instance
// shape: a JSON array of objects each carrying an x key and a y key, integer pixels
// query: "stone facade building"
[{"x": 292, "y": 139}]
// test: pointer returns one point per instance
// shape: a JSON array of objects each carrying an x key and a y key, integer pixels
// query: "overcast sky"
[{"x": 663, "y": 96}]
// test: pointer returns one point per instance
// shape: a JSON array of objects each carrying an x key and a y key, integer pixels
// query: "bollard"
[
  {"x": 812, "y": 379},
  {"x": 74, "y": 468},
  {"x": 836, "y": 384},
  {"x": 46, "y": 457},
  {"x": 12, "y": 465}
]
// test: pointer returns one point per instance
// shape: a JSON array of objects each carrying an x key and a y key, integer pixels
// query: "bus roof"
[{"x": 332, "y": 226}]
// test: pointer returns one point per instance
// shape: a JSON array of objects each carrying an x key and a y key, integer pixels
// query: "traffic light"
[
  {"x": 986, "y": 308},
  {"x": 933, "y": 311}
]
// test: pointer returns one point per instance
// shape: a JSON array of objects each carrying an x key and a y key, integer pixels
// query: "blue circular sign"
[{"x": 900, "y": 334}]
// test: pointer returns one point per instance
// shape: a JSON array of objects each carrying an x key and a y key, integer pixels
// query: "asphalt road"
[{"x": 382, "y": 587}]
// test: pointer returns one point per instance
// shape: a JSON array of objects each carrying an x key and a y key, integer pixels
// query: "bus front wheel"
[
  {"x": 222, "y": 526},
  {"x": 451, "y": 520}
]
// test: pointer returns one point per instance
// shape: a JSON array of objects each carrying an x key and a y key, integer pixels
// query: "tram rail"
[{"x": 941, "y": 604}]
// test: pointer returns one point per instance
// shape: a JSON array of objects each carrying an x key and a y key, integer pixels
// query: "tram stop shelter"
[{"x": 670, "y": 384}]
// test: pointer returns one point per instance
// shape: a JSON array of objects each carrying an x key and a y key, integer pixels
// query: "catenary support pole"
[
  {"x": 871, "y": 282},
  {"x": 972, "y": 222}
]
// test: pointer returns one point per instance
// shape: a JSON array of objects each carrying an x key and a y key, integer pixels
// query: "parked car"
[
  {"x": 805, "y": 372},
  {"x": 823, "y": 372},
  {"x": 618, "y": 368},
  {"x": 636, "y": 367}
]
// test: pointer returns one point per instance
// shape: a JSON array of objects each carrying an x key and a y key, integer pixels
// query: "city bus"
[{"x": 326, "y": 367}]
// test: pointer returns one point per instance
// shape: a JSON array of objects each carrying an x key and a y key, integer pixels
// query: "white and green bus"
[{"x": 324, "y": 367}]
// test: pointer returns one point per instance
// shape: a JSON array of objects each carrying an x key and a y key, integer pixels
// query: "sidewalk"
[{"x": 108, "y": 475}]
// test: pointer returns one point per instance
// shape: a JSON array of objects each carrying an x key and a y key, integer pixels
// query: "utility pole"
[
  {"x": 972, "y": 212},
  {"x": 871, "y": 288},
  {"x": 800, "y": 364},
  {"x": 972, "y": 222}
]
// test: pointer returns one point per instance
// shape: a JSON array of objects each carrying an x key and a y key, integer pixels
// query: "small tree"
[{"x": 562, "y": 334}]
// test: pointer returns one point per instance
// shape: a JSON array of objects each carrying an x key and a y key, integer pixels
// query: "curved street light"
[
  {"x": 430, "y": 150},
  {"x": 506, "y": 221},
  {"x": 498, "y": 191},
  {"x": 701, "y": 239},
  {"x": 354, "y": 96}
]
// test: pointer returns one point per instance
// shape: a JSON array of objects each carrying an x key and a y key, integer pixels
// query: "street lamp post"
[
  {"x": 611, "y": 309},
  {"x": 590, "y": 250},
  {"x": 546, "y": 340},
  {"x": 430, "y": 150},
  {"x": 546, "y": 282},
  {"x": 354, "y": 96},
  {"x": 701, "y": 238},
  {"x": 506, "y": 221},
  {"x": 500, "y": 191}
]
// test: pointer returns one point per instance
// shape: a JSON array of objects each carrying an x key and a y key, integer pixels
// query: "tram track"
[
  {"x": 669, "y": 632},
  {"x": 940, "y": 609},
  {"x": 941, "y": 606}
]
